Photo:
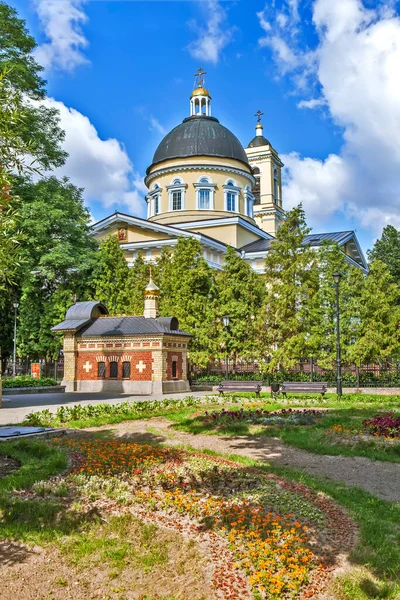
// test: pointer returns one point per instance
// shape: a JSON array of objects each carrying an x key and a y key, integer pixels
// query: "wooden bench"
[
  {"x": 308, "y": 387},
  {"x": 240, "y": 386}
]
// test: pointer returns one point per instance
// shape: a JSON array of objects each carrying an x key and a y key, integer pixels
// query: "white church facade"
[{"x": 203, "y": 183}]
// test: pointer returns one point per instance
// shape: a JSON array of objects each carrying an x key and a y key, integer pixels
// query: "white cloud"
[
  {"x": 312, "y": 103},
  {"x": 355, "y": 67},
  {"x": 155, "y": 125},
  {"x": 61, "y": 21},
  {"x": 101, "y": 167},
  {"x": 214, "y": 36}
]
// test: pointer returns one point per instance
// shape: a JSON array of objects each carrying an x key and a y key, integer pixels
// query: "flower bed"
[
  {"x": 264, "y": 417},
  {"x": 269, "y": 538},
  {"x": 385, "y": 426}
]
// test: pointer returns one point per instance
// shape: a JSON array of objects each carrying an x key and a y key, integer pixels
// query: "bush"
[
  {"x": 28, "y": 382},
  {"x": 126, "y": 410}
]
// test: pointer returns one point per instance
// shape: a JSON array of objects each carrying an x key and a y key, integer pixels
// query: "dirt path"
[{"x": 379, "y": 478}]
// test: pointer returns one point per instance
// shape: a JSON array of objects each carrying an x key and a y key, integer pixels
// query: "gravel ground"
[{"x": 379, "y": 478}]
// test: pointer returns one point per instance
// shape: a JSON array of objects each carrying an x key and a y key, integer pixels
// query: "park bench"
[
  {"x": 240, "y": 386},
  {"x": 308, "y": 387}
]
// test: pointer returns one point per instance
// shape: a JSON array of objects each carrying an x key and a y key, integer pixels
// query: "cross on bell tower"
[
  {"x": 259, "y": 114},
  {"x": 259, "y": 126}
]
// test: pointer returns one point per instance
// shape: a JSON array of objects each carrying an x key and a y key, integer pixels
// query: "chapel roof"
[{"x": 122, "y": 326}]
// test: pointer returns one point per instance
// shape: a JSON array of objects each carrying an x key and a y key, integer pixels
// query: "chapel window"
[
  {"x": 113, "y": 370},
  {"x": 126, "y": 370},
  {"x": 156, "y": 205},
  {"x": 101, "y": 370},
  {"x": 174, "y": 369}
]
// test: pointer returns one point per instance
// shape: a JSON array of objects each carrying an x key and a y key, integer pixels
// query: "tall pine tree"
[
  {"x": 111, "y": 277},
  {"x": 186, "y": 284},
  {"x": 291, "y": 278},
  {"x": 241, "y": 293}
]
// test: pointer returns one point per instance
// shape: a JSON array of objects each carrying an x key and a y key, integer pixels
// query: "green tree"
[
  {"x": 57, "y": 258},
  {"x": 111, "y": 276},
  {"x": 186, "y": 284},
  {"x": 322, "y": 330},
  {"x": 138, "y": 278},
  {"x": 241, "y": 293},
  {"x": 387, "y": 250},
  {"x": 291, "y": 278},
  {"x": 38, "y": 126},
  {"x": 378, "y": 335}
]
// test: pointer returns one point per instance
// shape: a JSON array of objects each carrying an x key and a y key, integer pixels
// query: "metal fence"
[
  {"x": 54, "y": 369},
  {"x": 385, "y": 374}
]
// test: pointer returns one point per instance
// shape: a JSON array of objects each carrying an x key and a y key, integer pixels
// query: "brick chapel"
[{"x": 129, "y": 354}]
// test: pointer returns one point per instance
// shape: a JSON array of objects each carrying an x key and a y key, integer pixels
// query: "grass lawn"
[
  {"x": 318, "y": 437},
  {"x": 87, "y": 524},
  {"x": 93, "y": 522}
]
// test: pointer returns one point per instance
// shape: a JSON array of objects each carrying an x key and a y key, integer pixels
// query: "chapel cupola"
[
  {"x": 151, "y": 297},
  {"x": 200, "y": 100}
]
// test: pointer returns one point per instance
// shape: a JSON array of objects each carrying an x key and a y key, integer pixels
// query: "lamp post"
[
  {"x": 14, "y": 369},
  {"x": 337, "y": 277},
  {"x": 225, "y": 321}
]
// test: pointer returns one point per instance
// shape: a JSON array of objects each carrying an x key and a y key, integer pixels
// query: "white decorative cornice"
[{"x": 198, "y": 167}]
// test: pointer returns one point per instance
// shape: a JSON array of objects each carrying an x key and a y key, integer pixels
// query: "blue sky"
[{"x": 324, "y": 73}]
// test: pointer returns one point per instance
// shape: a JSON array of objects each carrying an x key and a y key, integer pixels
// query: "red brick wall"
[
  {"x": 177, "y": 356},
  {"x": 145, "y": 358}
]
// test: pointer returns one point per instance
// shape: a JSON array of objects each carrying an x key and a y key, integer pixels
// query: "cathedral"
[{"x": 203, "y": 184}]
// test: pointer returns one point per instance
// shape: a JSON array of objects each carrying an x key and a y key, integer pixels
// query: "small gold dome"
[{"x": 200, "y": 91}]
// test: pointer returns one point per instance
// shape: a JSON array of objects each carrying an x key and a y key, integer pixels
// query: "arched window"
[
  {"x": 249, "y": 202},
  {"x": 113, "y": 370},
  {"x": 174, "y": 369},
  {"x": 276, "y": 185},
  {"x": 231, "y": 196},
  {"x": 205, "y": 194},
  {"x": 176, "y": 194},
  {"x": 101, "y": 370},
  {"x": 126, "y": 370}
]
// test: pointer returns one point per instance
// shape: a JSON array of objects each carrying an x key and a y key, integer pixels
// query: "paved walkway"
[
  {"x": 15, "y": 408},
  {"x": 379, "y": 478}
]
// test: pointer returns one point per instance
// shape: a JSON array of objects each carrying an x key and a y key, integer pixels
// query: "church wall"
[{"x": 245, "y": 237}]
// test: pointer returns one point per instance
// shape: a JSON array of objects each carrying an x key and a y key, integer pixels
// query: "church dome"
[{"x": 200, "y": 136}]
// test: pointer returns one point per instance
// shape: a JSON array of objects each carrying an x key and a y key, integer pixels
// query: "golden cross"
[
  {"x": 200, "y": 73},
  {"x": 259, "y": 114}
]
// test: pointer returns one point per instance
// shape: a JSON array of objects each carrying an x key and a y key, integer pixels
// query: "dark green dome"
[{"x": 200, "y": 136}]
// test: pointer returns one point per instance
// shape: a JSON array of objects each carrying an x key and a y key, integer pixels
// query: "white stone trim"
[{"x": 199, "y": 167}]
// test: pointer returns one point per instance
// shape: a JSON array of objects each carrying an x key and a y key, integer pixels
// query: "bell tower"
[{"x": 266, "y": 165}]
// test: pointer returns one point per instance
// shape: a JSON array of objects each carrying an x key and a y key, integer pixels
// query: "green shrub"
[{"x": 25, "y": 381}]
